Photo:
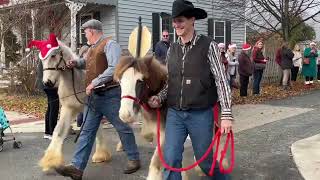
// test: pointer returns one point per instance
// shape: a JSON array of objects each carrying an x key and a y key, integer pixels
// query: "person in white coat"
[
  {"x": 297, "y": 62},
  {"x": 232, "y": 64}
]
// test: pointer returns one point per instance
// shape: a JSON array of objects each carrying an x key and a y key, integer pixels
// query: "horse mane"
[
  {"x": 154, "y": 73},
  {"x": 67, "y": 52}
]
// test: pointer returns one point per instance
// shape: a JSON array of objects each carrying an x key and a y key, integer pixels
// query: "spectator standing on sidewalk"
[
  {"x": 286, "y": 64},
  {"x": 297, "y": 62},
  {"x": 222, "y": 48},
  {"x": 232, "y": 64},
  {"x": 52, "y": 112},
  {"x": 309, "y": 67},
  {"x": 162, "y": 47},
  {"x": 245, "y": 68},
  {"x": 259, "y": 66}
]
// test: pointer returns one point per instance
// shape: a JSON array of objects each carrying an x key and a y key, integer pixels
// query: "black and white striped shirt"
[{"x": 218, "y": 71}]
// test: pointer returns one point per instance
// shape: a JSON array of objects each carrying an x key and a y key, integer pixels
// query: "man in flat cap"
[
  {"x": 196, "y": 81},
  {"x": 102, "y": 57}
]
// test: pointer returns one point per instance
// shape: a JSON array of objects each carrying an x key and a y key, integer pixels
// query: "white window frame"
[
  {"x": 81, "y": 31},
  {"x": 224, "y": 30},
  {"x": 160, "y": 34}
]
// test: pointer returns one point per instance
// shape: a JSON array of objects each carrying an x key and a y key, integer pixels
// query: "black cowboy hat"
[{"x": 186, "y": 8}]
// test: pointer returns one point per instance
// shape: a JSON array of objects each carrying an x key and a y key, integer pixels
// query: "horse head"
[
  {"x": 54, "y": 56},
  {"x": 139, "y": 78}
]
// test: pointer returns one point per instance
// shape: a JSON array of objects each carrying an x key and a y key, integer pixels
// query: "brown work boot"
[
  {"x": 70, "y": 171},
  {"x": 132, "y": 166}
]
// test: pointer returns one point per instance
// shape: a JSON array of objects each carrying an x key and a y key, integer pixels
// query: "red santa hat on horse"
[{"x": 46, "y": 47}]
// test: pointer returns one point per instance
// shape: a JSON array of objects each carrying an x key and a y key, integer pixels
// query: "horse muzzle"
[{"x": 49, "y": 84}]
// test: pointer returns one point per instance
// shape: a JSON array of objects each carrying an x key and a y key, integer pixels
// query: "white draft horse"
[
  {"x": 142, "y": 78},
  {"x": 71, "y": 88}
]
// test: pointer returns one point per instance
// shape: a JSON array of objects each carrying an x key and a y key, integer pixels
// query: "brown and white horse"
[
  {"x": 68, "y": 83},
  {"x": 140, "y": 79}
]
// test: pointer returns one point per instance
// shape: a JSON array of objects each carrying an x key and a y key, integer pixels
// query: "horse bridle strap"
[
  {"x": 57, "y": 68},
  {"x": 138, "y": 101}
]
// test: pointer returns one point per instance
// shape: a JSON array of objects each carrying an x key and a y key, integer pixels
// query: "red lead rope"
[{"x": 216, "y": 140}]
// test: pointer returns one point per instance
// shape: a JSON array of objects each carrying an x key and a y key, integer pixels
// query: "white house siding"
[
  {"x": 108, "y": 15},
  {"x": 130, "y": 10}
]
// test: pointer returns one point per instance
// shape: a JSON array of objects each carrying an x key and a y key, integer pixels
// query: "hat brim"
[
  {"x": 198, "y": 13},
  {"x": 246, "y": 49}
]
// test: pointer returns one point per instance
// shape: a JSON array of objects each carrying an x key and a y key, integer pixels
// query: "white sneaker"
[
  {"x": 47, "y": 136},
  {"x": 311, "y": 82},
  {"x": 318, "y": 80},
  {"x": 307, "y": 82}
]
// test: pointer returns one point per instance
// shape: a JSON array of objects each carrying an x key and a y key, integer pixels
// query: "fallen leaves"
[
  {"x": 33, "y": 105},
  {"x": 273, "y": 92}
]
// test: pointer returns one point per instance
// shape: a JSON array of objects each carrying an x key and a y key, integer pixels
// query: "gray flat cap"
[{"x": 93, "y": 24}]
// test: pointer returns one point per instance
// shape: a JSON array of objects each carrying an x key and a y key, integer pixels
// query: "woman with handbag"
[
  {"x": 309, "y": 67},
  {"x": 259, "y": 65}
]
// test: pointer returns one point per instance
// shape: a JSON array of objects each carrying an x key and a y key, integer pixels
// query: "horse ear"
[{"x": 148, "y": 60}]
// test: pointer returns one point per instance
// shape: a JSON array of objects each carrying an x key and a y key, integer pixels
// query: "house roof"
[{"x": 104, "y": 2}]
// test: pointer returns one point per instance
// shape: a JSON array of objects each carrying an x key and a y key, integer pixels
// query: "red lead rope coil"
[{"x": 216, "y": 140}]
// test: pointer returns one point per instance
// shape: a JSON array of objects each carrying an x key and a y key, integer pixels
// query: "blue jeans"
[
  {"x": 257, "y": 76},
  {"x": 105, "y": 104},
  {"x": 199, "y": 125}
]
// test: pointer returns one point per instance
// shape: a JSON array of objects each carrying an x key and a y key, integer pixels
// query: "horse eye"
[{"x": 53, "y": 56}]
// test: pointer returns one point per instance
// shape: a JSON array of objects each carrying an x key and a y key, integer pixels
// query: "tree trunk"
[{"x": 286, "y": 19}]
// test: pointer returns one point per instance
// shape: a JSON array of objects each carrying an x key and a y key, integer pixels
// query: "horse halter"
[
  {"x": 57, "y": 68},
  {"x": 142, "y": 93}
]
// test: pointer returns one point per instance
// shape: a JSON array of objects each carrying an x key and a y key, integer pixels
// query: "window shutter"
[
  {"x": 228, "y": 32},
  {"x": 155, "y": 28},
  {"x": 96, "y": 15},
  {"x": 210, "y": 28}
]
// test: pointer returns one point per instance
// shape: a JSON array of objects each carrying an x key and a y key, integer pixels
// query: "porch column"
[
  {"x": 33, "y": 22},
  {"x": 3, "y": 50},
  {"x": 74, "y": 9}
]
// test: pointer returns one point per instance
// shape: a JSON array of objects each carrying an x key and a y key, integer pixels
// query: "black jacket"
[
  {"x": 160, "y": 51},
  {"x": 286, "y": 58}
]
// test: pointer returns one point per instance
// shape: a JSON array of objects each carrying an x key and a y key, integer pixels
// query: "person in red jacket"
[{"x": 259, "y": 65}]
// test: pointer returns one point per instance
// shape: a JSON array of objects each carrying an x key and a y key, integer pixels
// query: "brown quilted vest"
[{"x": 96, "y": 62}]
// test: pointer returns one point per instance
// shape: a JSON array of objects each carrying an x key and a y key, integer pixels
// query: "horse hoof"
[
  {"x": 119, "y": 147},
  {"x": 51, "y": 160},
  {"x": 101, "y": 156}
]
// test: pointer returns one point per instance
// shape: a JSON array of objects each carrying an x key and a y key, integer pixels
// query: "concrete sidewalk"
[
  {"x": 23, "y": 123},
  {"x": 306, "y": 154}
]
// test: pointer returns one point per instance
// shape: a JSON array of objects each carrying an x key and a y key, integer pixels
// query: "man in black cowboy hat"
[{"x": 196, "y": 82}]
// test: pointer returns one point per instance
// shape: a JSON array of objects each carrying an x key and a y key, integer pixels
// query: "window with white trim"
[
  {"x": 166, "y": 23},
  {"x": 219, "y": 31},
  {"x": 83, "y": 18}
]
